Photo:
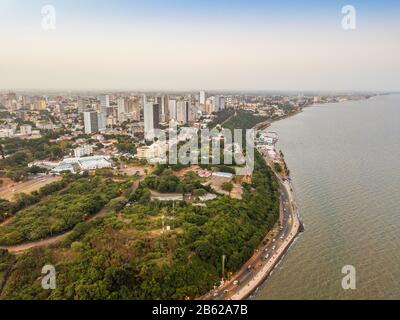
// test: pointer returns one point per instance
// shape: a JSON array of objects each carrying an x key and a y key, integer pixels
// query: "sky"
[{"x": 193, "y": 45}]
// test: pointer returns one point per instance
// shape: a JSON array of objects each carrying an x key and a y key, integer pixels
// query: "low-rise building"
[
  {"x": 26, "y": 129},
  {"x": 83, "y": 151}
]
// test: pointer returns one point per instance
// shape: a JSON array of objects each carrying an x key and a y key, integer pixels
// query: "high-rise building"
[
  {"x": 172, "y": 109},
  {"x": 183, "y": 112},
  {"x": 101, "y": 120},
  {"x": 221, "y": 103},
  {"x": 202, "y": 98},
  {"x": 151, "y": 118},
  {"x": 164, "y": 109},
  {"x": 104, "y": 103},
  {"x": 94, "y": 121},
  {"x": 91, "y": 122},
  {"x": 216, "y": 104},
  {"x": 121, "y": 106}
]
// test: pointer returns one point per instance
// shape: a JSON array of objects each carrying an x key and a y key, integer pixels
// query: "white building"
[
  {"x": 121, "y": 106},
  {"x": 43, "y": 125},
  {"x": 94, "y": 122},
  {"x": 91, "y": 122},
  {"x": 104, "y": 103},
  {"x": 183, "y": 112},
  {"x": 217, "y": 103},
  {"x": 156, "y": 153},
  {"x": 26, "y": 130},
  {"x": 89, "y": 163},
  {"x": 151, "y": 118},
  {"x": 85, "y": 150},
  {"x": 7, "y": 133},
  {"x": 202, "y": 98},
  {"x": 172, "y": 109}
]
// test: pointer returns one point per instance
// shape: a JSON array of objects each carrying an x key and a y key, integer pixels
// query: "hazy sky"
[{"x": 184, "y": 45}]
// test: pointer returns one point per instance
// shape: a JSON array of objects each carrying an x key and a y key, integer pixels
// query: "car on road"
[
  {"x": 236, "y": 282},
  {"x": 266, "y": 257},
  {"x": 273, "y": 248}
]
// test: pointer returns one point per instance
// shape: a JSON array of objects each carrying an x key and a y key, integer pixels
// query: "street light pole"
[{"x": 223, "y": 266}]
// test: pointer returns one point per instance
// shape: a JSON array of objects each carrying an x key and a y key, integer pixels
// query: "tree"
[
  {"x": 227, "y": 186},
  {"x": 277, "y": 167}
]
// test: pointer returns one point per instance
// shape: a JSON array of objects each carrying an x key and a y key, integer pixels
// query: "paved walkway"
[{"x": 260, "y": 276}]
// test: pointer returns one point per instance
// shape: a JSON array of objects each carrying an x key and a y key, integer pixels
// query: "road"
[
  {"x": 267, "y": 255},
  {"x": 10, "y": 192}
]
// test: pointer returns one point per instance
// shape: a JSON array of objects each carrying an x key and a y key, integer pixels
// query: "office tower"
[
  {"x": 94, "y": 121},
  {"x": 183, "y": 112},
  {"x": 104, "y": 103},
  {"x": 91, "y": 122},
  {"x": 172, "y": 109},
  {"x": 151, "y": 118},
  {"x": 164, "y": 110},
  {"x": 217, "y": 103},
  {"x": 202, "y": 98},
  {"x": 101, "y": 120},
  {"x": 121, "y": 106},
  {"x": 221, "y": 103}
]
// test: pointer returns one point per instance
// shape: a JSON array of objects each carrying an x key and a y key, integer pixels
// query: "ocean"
[{"x": 344, "y": 160}]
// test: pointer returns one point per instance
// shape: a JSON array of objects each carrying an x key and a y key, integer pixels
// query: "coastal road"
[
  {"x": 266, "y": 257},
  {"x": 10, "y": 192}
]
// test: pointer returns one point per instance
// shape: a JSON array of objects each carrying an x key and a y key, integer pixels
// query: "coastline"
[
  {"x": 244, "y": 291},
  {"x": 297, "y": 228},
  {"x": 262, "y": 276}
]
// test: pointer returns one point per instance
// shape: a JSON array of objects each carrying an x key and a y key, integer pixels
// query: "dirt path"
[
  {"x": 21, "y": 248},
  {"x": 6, "y": 222}
]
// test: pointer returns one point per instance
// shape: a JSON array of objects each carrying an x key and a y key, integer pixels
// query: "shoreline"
[
  {"x": 298, "y": 227},
  {"x": 249, "y": 288}
]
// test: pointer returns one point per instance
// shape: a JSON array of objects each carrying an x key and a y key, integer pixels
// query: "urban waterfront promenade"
[
  {"x": 260, "y": 276},
  {"x": 268, "y": 254}
]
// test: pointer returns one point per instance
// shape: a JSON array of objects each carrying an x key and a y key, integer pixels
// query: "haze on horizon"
[{"x": 186, "y": 45}]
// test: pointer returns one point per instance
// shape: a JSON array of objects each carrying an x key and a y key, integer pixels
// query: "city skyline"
[{"x": 172, "y": 45}]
